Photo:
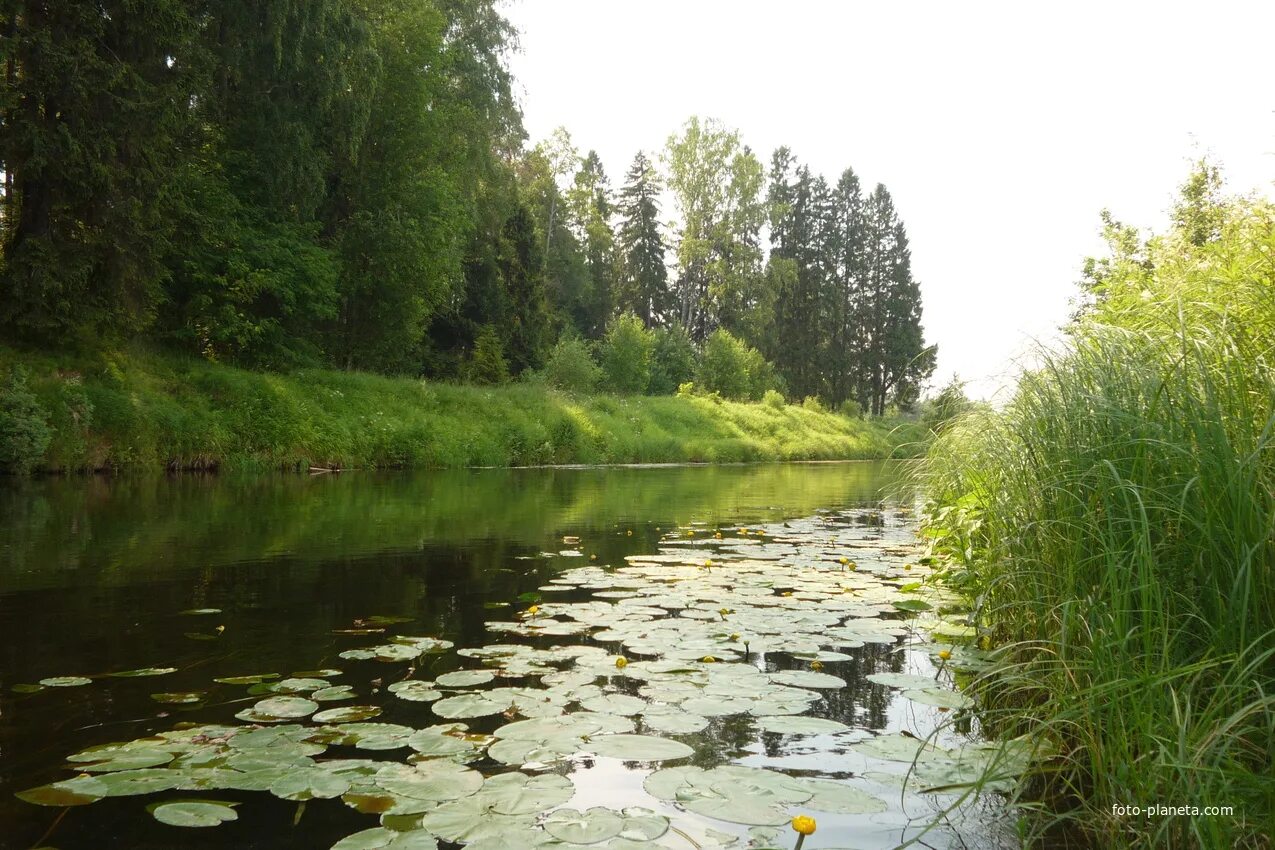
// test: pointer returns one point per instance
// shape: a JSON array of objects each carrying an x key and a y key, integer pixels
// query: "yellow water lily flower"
[
  {"x": 718, "y": 535},
  {"x": 734, "y": 636},
  {"x": 816, "y": 665},
  {"x": 708, "y": 563},
  {"x": 629, "y": 533},
  {"x": 907, "y": 566},
  {"x": 804, "y": 825},
  {"x": 708, "y": 659},
  {"x": 534, "y": 609},
  {"x": 944, "y": 654},
  {"x": 843, "y": 561},
  {"x": 621, "y": 662},
  {"x": 593, "y": 557}
]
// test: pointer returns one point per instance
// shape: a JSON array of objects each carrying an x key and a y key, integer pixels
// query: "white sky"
[{"x": 1001, "y": 129}]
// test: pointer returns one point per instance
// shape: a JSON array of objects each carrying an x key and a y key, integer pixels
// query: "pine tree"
[{"x": 643, "y": 287}]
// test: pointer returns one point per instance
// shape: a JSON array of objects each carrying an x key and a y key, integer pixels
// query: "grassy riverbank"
[
  {"x": 1116, "y": 523},
  {"x": 143, "y": 410}
]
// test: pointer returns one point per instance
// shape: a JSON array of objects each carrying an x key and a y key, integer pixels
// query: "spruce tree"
[{"x": 643, "y": 286}]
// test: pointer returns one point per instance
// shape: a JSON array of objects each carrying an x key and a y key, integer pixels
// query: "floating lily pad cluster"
[{"x": 628, "y": 663}]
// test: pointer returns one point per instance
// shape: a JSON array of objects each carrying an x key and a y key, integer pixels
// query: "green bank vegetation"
[
  {"x": 139, "y": 410},
  {"x": 1115, "y": 523},
  {"x": 340, "y": 184}
]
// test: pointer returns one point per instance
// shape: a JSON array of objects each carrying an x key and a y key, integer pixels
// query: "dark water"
[{"x": 94, "y": 575}]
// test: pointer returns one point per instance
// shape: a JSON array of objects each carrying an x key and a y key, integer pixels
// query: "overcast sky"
[{"x": 1001, "y": 129}]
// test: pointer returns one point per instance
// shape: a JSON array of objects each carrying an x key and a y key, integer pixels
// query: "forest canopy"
[{"x": 285, "y": 183}]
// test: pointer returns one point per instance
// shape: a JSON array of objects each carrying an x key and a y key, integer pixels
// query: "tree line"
[{"x": 277, "y": 183}]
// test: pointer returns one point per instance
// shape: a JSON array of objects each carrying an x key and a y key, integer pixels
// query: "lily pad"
[
  {"x": 894, "y": 747},
  {"x": 347, "y": 714},
  {"x": 247, "y": 680},
  {"x": 333, "y": 694},
  {"x": 621, "y": 704},
  {"x": 901, "y": 680},
  {"x": 587, "y": 827},
  {"x": 435, "y": 779},
  {"x": 180, "y": 697},
  {"x": 65, "y": 681},
  {"x": 141, "y": 781},
  {"x": 840, "y": 798},
  {"x": 309, "y": 784},
  {"x": 286, "y": 707},
  {"x": 941, "y": 697},
  {"x": 675, "y": 723},
  {"x": 195, "y": 813},
  {"x": 470, "y": 819},
  {"x": 380, "y": 838},
  {"x": 638, "y": 748},
  {"x": 465, "y": 678},
  {"x": 520, "y": 794},
  {"x": 125, "y": 758},
  {"x": 415, "y": 690},
  {"x": 79, "y": 791},
  {"x": 469, "y": 705},
  {"x": 144, "y": 671},
  {"x": 444, "y": 740},
  {"x": 797, "y": 725},
  {"x": 806, "y": 679}
]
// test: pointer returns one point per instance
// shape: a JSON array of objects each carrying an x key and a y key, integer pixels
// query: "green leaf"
[
  {"x": 638, "y": 748},
  {"x": 587, "y": 827},
  {"x": 194, "y": 813}
]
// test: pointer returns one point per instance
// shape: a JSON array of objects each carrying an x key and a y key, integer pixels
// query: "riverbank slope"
[{"x": 138, "y": 410}]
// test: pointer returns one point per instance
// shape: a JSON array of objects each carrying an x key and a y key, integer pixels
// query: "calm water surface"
[{"x": 95, "y": 572}]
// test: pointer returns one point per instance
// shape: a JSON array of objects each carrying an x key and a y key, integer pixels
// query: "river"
[{"x": 576, "y": 568}]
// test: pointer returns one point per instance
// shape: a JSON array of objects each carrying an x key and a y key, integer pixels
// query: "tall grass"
[
  {"x": 141, "y": 409},
  {"x": 1116, "y": 524}
]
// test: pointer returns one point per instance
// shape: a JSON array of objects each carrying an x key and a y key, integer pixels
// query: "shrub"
[
  {"x": 487, "y": 364},
  {"x": 24, "y": 426},
  {"x": 813, "y": 402},
  {"x": 626, "y": 355},
  {"x": 723, "y": 366},
  {"x": 736, "y": 370},
  {"x": 773, "y": 398},
  {"x": 571, "y": 367},
  {"x": 672, "y": 361}
]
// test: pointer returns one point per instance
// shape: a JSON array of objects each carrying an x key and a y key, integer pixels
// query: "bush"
[
  {"x": 813, "y": 402},
  {"x": 773, "y": 398},
  {"x": 24, "y": 426},
  {"x": 571, "y": 367},
  {"x": 734, "y": 369},
  {"x": 487, "y": 364},
  {"x": 723, "y": 367},
  {"x": 672, "y": 361},
  {"x": 626, "y": 355}
]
